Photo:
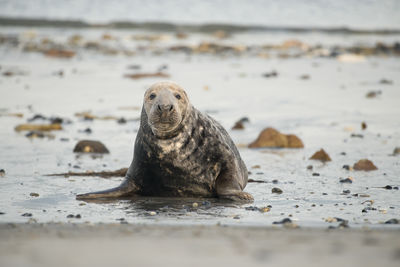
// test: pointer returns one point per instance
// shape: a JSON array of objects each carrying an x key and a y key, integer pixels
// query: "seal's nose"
[{"x": 165, "y": 108}]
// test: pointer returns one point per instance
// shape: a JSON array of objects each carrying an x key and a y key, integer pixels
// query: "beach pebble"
[
  {"x": 276, "y": 190},
  {"x": 270, "y": 74},
  {"x": 270, "y": 137},
  {"x": 34, "y": 194},
  {"x": 363, "y": 125},
  {"x": 321, "y": 155},
  {"x": 2, "y": 172},
  {"x": 373, "y": 94},
  {"x": 152, "y": 213},
  {"x": 283, "y": 221},
  {"x": 90, "y": 146},
  {"x": 396, "y": 151},
  {"x": 348, "y": 180},
  {"x": 315, "y": 174},
  {"x": 385, "y": 81},
  {"x": 392, "y": 221},
  {"x": 364, "y": 165},
  {"x": 2, "y": 213},
  {"x": 237, "y": 217},
  {"x": 195, "y": 205},
  {"x": 346, "y": 167},
  {"x": 239, "y": 125},
  {"x": 27, "y": 214}
]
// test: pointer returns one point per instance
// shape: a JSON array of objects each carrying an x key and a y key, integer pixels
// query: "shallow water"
[
  {"x": 317, "y": 13},
  {"x": 323, "y": 111}
]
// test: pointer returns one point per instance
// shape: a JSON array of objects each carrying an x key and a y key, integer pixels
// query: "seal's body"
[{"x": 180, "y": 152}]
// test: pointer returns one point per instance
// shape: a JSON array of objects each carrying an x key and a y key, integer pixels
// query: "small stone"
[
  {"x": 388, "y": 187},
  {"x": 321, "y": 155},
  {"x": 27, "y": 214},
  {"x": 357, "y": 135},
  {"x": 364, "y": 165},
  {"x": 396, "y": 151},
  {"x": 346, "y": 192},
  {"x": 310, "y": 167},
  {"x": 2, "y": 173},
  {"x": 392, "y": 221},
  {"x": 346, "y": 167},
  {"x": 385, "y": 81},
  {"x": 348, "y": 180},
  {"x": 276, "y": 190},
  {"x": 82, "y": 204},
  {"x": 78, "y": 216},
  {"x": 195, "y": 205},
  {"x": 70, "y": 216},
  {"x": 315, "y": 174},
  {"x": 283, "y": 221},
  {"x": 270, "y": 74},
  {"x": 122, "y": 120},
  {"x": 363, "y": 125},
  {"x": 275, "y": 181},
  {"x": 34, "y": 194},
  {"x": 152, "y": 213},
  {"x": 2, "y": 213},
  {"x": 237, "y": 217},
  {"x": 265, "y": 209},
  {"x": 373, "y": 94}
]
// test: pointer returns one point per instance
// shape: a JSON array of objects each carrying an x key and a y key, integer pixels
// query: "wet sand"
[{"x": 146, "y": 245}]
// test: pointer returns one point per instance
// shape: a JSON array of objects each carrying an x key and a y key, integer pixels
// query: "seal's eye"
[
  {"x": 178, "y": 96},
  {"x": 152, "y": 96}
]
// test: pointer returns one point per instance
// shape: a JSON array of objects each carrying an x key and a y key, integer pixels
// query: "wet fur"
[{"x": 190, "y": 155}]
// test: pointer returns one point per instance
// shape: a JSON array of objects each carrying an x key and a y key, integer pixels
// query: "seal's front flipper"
[{"x": 125, "y": 189}]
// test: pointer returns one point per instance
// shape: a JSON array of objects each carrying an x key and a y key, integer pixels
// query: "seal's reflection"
[{"x": 169, "y": 207}]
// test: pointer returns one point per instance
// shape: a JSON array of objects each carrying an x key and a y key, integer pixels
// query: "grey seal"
[{"x": 180, "y": 152}]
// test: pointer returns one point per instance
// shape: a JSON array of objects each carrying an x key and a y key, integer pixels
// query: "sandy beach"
[{"x": 146, "y": 245}]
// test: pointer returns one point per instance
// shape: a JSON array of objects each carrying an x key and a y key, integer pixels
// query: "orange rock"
[
  {"x": 364, "y": 165},
  {"x": 38, "y": 127},
  {"x": 270, "y": 137},
  {"x": 321, "y": 155}
]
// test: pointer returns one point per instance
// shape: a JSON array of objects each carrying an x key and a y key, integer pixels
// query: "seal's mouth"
[{"x": 162, "y": 124}]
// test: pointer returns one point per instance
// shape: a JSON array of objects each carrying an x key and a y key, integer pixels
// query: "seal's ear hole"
[
  {"x": 178, "y": 96},
  {"x": 152, "y": 96}
]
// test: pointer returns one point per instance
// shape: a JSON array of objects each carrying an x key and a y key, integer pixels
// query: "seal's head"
[{"x": 166, "y": 105}]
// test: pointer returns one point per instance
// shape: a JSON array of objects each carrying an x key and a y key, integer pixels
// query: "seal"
[{"x": 180, "y": 152}]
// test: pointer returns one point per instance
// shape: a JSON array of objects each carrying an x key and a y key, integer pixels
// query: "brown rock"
[
  {"x": 396, "y": 151},
  {"x": 364, "y": 165},
  {"x": 364, "y": 125},
  {"x": 90, "y": 146},
  {"x": 321, "y": 155},
  {"x": 270, "y": 137},
  {"x": 294, "y": 141},
  {"x": 147, "y": 75},
  {"x": 38, "y": 127},
  {"x": 59, "y": 53},
  {"x": 238, "y": 126}
]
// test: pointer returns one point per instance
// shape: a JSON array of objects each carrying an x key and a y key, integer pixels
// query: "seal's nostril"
[
  {"x": 171, "y": 108},
  {"x": 159, "y": 108}
]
